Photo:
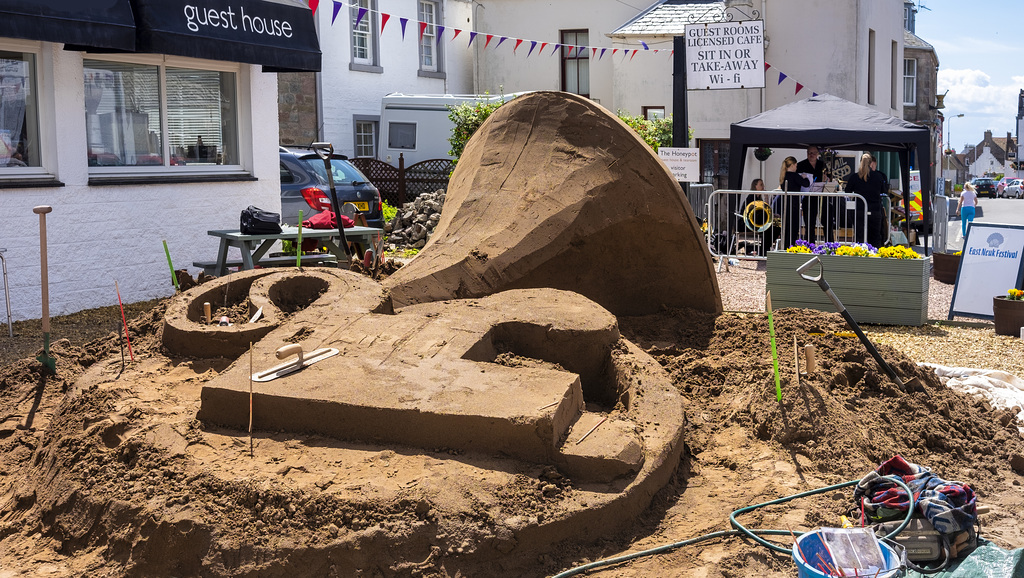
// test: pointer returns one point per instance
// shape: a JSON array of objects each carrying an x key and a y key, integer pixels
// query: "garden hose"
[{"x": 741, "y": 530}]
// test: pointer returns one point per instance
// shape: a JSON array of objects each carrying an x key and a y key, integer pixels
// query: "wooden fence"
[{"x": 401, "y": 184}]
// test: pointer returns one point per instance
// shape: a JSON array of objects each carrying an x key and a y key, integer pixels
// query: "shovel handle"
[
  {"x": 814, "y": 261},
  {"x": 324, "y": 150}
]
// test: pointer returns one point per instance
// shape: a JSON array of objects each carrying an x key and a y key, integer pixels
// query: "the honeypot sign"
[
  {"x": 683, "y": 162},
  {"x": 989, "y": 265}
]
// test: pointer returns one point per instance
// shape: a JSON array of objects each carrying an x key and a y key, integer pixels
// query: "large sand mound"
[{"x": 554, "y": 191}]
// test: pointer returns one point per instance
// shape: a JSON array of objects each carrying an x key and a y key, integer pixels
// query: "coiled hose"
[{"x": 740, "y": 530}]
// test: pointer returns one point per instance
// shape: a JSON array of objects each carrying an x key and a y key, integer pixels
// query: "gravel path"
[{"x": 962, "y": 342}]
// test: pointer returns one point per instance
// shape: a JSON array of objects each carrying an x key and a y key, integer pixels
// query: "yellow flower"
[
  {"x": 898, "y": 252},
  {"x": 853, "y": 250},
  {"x": 798, "y": 249},
  {"x": 1016, "y": 294}
]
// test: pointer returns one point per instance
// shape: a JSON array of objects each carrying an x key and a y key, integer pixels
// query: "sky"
[{"x": 980, "y": 45}]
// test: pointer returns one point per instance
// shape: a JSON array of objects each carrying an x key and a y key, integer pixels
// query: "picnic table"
[{"x": 254, "y": 248}]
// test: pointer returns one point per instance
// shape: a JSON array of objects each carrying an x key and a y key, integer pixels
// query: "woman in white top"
[{"x": 965, "y": 208}]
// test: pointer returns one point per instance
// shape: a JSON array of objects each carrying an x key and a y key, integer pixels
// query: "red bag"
[{"x": 325, "y": 220}]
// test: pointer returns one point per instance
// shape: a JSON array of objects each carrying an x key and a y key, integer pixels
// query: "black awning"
[
  {"x": 106, "y": 24},
  {"x": 280, "y": 37}
]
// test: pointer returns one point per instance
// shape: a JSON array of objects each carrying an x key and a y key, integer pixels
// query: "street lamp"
[{"x": 949, "y": 145}]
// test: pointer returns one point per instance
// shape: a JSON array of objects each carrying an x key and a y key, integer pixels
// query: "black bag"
[{"x": 256, "y": 221}]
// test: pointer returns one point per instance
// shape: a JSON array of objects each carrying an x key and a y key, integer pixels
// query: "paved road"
[{"x": 1008, "y": 211}]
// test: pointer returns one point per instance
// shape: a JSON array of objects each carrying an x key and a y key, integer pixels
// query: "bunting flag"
[
  {"x": 403, "y": 22},
  {"x": 614, "y": 50},
  {"x": 486, "y": 44},
  {"x": 500, "y": 40},
  {"x": 359, "y": 16},
  {"x": 602, "y": 53},
  {"x": 423, "y": 27},
  {"x": 472, "y": 37},
  {"x": 384, "y": 21},
  {"x": 337, "y": 8},
  {"x": 542, "y": 46},
  {"x": 644, "y": 44},
  {"x": 457, "y": 32},
  {"x": 533, "y": 44},
  {"x": 782, "y": 76},
  {"x": 554, "y": 49},
  {"x": 313, "y": 4},
  {"x": 799, "y": 87},
  {"x": 767, "y": 66},
  {"x": 814, "y": 94},
  {"x": 516, "y": 47},
  {"x": 634, "y": 54},
  {"x": 593, "y": 53},
  {"x": 440, "y": 34}
]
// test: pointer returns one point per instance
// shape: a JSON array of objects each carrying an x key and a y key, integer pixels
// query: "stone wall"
[{"x": 296, "y": 108}]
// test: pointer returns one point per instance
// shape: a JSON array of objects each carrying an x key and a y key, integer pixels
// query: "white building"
[
  {"x": 164, "y": 140},
  {"x": 362, "y": 63}
]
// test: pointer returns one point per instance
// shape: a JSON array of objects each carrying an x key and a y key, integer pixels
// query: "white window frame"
[
  {"x": 44, "y": 92},
  {"x": 373, "y": 124},
  {"x": 430, "y": 12},
  {"x": 909, "y": 96},
  {"x": 242, "y": 109},
  {"x": 366, "y": 29}
]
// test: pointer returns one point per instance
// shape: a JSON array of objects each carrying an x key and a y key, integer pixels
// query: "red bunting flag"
[
  {"x": 767, "y": 66},
  {"x": 383, "y": 21},
  {"x": 782, "y": 76},
  {"x": 486, "y": 44},
  {"x": 614, "y": 50},
  {"x": 313, "y": 4},
  {"x": 542, "y": 47},
  {"x": 634, "y": 54},
  {"x": 457, "y": 32},
  {"x": 516, "y": 47},
  {"x": 403, "y": 22},
  {"x": 423, "y": 27},
  {"x": 593, "y": 52},
  {"x": 798, "y": 88}
]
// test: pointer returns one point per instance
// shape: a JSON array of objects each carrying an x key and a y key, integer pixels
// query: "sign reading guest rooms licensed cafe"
[{"x": 725, "y": 55}]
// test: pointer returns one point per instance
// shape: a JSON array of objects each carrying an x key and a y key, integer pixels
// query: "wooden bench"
[{"x": 210, "y": 267}]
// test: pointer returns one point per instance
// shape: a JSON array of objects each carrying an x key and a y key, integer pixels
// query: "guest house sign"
[{"x": 725, "y": 55}]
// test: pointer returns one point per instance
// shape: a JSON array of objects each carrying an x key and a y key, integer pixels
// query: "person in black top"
[
  {"x": 790, "y": 180},
  {"x": 815, "y": 167},
  {"x": 871, "y": 185}
]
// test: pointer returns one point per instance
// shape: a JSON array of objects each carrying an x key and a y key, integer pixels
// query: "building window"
[
  {"x": 654, "y": 112},
  {"x": 428, "y": 39},
  {"x": 159, "y": 116},
  {"x": 909, "y": 81},
  {"x": 19, "y": 111},
  {"x": 366, "y": 138},
  {"x": 365, "y": 40},
  {"x": 575, "y": 62},
  {"x": 714, "y": 163}
]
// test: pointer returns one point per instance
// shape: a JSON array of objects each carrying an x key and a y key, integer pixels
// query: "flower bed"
[{"x": 891, "y": 289}]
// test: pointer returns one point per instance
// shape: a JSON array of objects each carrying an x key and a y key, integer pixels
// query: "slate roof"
[
  {"x": 670, "y": 17},
  {"x": 911, "y": 40}
]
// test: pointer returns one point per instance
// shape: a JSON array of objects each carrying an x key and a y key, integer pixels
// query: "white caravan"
[{"x": 417, "y": 125}]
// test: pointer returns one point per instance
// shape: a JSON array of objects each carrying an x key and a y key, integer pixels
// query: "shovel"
[
  {"x": 49, "y": 362},
  {"x": 820, "y": 280},
  {"x": 325, "y": 150}
]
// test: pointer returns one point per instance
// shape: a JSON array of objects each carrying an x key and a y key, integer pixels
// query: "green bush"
[
  {"x": 388, "y": 211},
  {"x": 468, "y": 117}
]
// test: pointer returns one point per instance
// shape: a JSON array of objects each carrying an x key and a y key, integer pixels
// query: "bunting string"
[{"x": 596, "y": 52}]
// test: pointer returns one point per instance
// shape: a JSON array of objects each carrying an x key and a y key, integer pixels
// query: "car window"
[
  {"x": 341, "y": 171},
  {"x": 286, "y": 175}
]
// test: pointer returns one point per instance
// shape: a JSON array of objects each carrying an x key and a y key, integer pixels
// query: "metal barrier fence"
[
  {"x": 748, "y": 224},
  {"x": 940, "y": 219},
  {"x": 697, "y": 194}
]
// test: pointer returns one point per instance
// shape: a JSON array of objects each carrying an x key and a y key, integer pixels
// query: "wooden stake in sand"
[
  {"x": 796, "y": 360},
  {"x": 250, "y": 400},
  {"x": 579, "y": 441},
  {"x": 125, "y": 322},
  {"x": 775, "y": 355}
]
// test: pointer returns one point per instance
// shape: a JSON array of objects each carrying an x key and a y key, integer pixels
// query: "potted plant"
[
  {"x": 945, "y": 267},
  {"x": 1008, "y": 312},
  {"x": 887, "y": 286}
]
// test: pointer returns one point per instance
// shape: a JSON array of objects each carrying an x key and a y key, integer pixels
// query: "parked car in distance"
[
  {"x": 984, "y": 185},
  {"x": 304, "y": 186},
  {"x": 1001, "y": 186},
  {"x": 1013, "y": 189}
]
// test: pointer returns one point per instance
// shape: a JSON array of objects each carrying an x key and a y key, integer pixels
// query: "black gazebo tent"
[{"x": 829, "y": 121}]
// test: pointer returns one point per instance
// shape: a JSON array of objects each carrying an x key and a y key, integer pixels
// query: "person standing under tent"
[
  {"x": 870, "y": 186},
  {"x": 815, "y": 167},
  {"x": 790, "y": 180}
]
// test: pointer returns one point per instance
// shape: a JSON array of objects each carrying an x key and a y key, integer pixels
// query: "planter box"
[
  {"x": 874, "y": 290},
  {"x": 1008, "y": 315},
  {"x": 945, "y": 267}
]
